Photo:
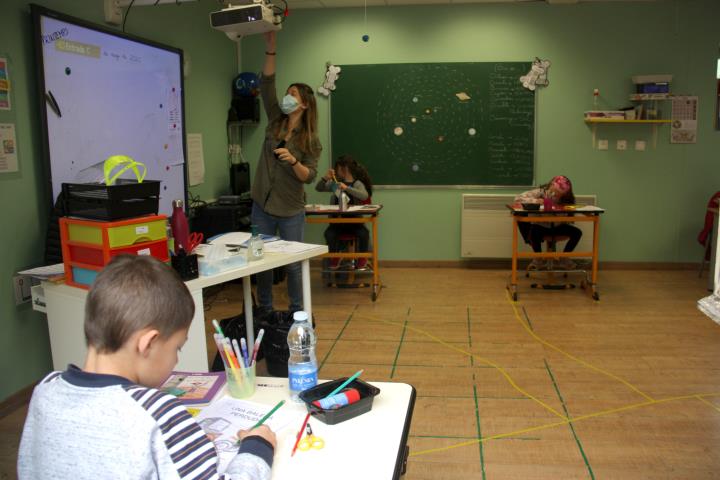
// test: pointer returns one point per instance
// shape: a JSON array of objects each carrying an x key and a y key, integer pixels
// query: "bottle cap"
[
  {"x": 300, "y": 316},
  {"x": 178, "y": 203},
  {"x": 253, "y": 229}
]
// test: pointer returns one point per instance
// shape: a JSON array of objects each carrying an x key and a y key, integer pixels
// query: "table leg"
[
  {"x": 596, "y": 237},
  {"x": 376, "y": 273},
  {"x": 513, "y": 275},
  {"x": 248, "y": 304},
  {"x": 307, "y": 303}
]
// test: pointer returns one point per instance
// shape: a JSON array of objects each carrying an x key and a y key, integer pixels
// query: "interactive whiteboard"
[{"x": 105, "y": 93}]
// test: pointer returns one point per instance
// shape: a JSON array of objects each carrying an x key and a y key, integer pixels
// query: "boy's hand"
[{"x": 262, "y": 431}]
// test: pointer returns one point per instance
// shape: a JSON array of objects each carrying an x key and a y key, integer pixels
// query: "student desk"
[
  {"x": 65, "y": 308},
  {"x": 355, "y": 214},
  {"x": 562, "y": 215},
  {"x": 372, "y": 445}
]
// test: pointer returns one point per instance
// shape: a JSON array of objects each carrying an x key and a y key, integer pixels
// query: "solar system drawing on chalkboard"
[{"x": 437, "y": 124}]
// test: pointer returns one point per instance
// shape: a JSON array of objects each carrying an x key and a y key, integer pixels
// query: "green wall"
[
  {"x": 655, "y": 199},
  {"x": 24, "y": 346}
]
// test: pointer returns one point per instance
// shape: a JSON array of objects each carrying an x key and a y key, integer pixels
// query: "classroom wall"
[
  {"x": 24, "y": 346},
  {"x": 655, "y": 199}
]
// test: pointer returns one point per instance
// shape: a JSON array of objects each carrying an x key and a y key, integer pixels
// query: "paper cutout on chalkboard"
[
  {"x": 462, "y": 96},
  {"x": 398, "y": 131}
]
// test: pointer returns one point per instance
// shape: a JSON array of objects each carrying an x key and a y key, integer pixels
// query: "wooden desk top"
[
  {"x": 316, "y": 209},
  {"x": 559, "y": 211}
]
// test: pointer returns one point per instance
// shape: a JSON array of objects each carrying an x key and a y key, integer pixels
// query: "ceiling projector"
[{"x": 242, "y": 20}]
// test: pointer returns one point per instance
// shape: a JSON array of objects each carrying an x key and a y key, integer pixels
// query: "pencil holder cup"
[{"x": 240, "y": 381}]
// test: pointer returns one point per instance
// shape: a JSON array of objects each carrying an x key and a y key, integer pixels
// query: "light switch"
[
  {"x": 602, "y": 145},
  {"x": 621, "y": 145},
  {"x": 640, "y": 145}
]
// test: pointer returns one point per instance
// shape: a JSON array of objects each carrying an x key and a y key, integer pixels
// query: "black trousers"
[
  {"x": 335, "y": 230},
  {"x": 534, "y": 234}
]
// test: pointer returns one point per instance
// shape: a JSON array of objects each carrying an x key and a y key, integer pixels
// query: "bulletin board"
[{"x": 436, "y": 124}]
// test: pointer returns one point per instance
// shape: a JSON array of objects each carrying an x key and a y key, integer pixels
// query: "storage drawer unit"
[{"x": 89, "y": 245}]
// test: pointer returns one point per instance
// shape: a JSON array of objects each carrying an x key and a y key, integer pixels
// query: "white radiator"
[{"x": 486, "y": 230}]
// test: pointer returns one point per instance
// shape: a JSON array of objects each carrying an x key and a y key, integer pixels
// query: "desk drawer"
[
  {"x": 118, "y": 236},
  {"x": 95, "y": 256}
]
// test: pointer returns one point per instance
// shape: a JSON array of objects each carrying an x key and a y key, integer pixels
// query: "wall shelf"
[{"x": 617, "y": 121}]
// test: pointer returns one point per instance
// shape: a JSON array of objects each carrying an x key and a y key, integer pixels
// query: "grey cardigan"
[{"x": 276, "y": 189}]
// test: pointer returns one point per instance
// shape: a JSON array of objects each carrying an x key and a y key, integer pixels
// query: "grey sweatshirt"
[
  {"x": 276, "y": 188},
  {"x": 82, "y": 425}
]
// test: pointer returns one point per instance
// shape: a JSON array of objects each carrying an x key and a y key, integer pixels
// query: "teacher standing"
[{"x": 288, "y": 160}]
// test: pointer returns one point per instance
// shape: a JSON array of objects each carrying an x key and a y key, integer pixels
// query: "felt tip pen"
[
  {"x": 257, "y": 345},
  {"x": 243, "y": 346},
  {"x": 217, "y": 327}
]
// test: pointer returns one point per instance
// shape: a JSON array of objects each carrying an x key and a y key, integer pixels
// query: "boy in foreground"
[{"x": 107, "y": 420}]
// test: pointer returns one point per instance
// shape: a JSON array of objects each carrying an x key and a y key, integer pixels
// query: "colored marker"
[
  {"x": 243, "y": 346},
  {"x": 236, "y": 349},
  {"x": 269, "y": 414},
  {"x": 345, "y": 383},
  {"x": 257, "y": 345},
  {"x": 217, "y": 327}
]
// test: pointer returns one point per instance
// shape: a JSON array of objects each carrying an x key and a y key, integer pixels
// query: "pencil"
[
  {"x": 345, "y": 383},
  {"x": 300, "y": 434},
  {"x": 269, "y": 414}
]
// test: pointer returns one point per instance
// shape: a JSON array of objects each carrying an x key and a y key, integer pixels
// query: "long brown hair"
[
  {"x": 307, "y": 141},
  {"x": 358, "y": 171}
]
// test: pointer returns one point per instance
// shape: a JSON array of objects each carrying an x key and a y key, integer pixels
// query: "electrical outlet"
[
  {"x": 602, "y": 145},
  {"x": 640, "y": 145},
  {"x": 621, "y": 145},
  {"x": 22, "y": 284}
]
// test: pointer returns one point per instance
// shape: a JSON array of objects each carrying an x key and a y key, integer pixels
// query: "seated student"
[
  {"x": 559, "y": 190},
  {"x": 107, "y": 420},
  {"x": 353, "y": 179}
]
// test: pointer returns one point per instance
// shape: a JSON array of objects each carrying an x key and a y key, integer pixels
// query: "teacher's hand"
[
  {"x": 284, "y": 155},
  {"x": 270, "y": 41}
]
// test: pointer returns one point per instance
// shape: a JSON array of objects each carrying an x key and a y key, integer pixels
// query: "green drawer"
[{"x": 120, "y": 236}]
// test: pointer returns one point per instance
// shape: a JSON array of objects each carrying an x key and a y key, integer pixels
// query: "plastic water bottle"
[
  {"x": 179, "y": 227},
  {"x": 302, "y": 364},
  {"x": 255, "y": 250}
]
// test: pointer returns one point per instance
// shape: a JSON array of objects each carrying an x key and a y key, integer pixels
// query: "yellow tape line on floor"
[{"x": 572, "y": 357}]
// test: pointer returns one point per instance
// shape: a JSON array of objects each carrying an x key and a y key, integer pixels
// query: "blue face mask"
[{"x": 289, "y": 104}]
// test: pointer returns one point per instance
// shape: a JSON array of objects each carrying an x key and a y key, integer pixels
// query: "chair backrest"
[{"x": 713, "y": 203}]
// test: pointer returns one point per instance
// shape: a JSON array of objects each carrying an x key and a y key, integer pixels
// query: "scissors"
[
  {"x": 311, "y": 441},
  {"x": 194, "y": 240}
]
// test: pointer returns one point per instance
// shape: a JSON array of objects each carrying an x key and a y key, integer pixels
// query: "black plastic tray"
[{"x": 331, "y": 417}]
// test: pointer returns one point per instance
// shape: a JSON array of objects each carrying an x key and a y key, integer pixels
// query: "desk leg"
[
  {"x": 513, "y": 275},
  {"x": 307, "y": 303},
  {"x": 376, "y": 273},
  {"x": 248, "y": 305},
  {"x": 596, "y": 237}
]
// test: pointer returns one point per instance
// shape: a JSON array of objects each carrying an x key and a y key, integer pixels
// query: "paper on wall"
[
  {"x": 196, "y": 160},
  {"x": 8, "y": 148}
]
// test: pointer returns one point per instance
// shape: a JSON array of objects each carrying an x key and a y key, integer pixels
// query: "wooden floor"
[{"x": 553, "y": 386}]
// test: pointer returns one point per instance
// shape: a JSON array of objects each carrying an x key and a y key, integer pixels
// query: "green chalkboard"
[{"x": 410, "y": 124}]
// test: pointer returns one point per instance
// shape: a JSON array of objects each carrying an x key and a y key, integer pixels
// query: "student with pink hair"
[{"x": 559, "y": 191}]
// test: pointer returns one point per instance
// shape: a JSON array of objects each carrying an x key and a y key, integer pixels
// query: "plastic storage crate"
[{"x": 124, "y": 199}]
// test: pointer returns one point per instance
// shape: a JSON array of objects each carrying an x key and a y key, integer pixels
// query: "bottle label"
[{"x": 302, "y": 380}]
